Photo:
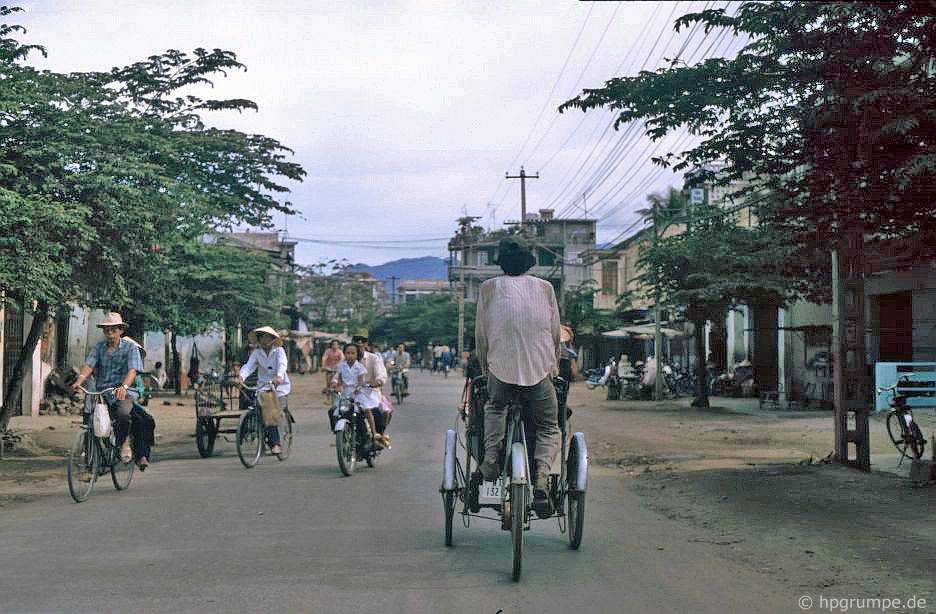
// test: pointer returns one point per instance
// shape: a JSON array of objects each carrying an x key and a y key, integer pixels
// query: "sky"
[{"x": 407, "y": 114}]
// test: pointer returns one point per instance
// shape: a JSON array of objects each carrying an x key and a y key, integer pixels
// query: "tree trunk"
[
  {"x": 701, "y": 399},
  {"x": 15, "y": 386},
  {"x": 176, "y": 367}
]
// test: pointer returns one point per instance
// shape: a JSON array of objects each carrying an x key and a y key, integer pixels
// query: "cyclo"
[
  {"x": 92, "y": 455},
  {"x": 354, "y": 440},
  {"x": 511, "y": 496}
]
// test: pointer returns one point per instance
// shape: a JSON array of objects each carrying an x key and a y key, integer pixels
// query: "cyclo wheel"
[
  {"x": 517, "y": 521},
  {"x": 576, "y": 518},
  {"x": 345, "y": 449},
  {"x": 286, "y": 434},
  {"x": 83, "y": 465},
  {"x": 205, "y": 435},
  {"x": 897, "y": 430},
  {"x": 249, "y": 438},
  {"x": 121, "y": 472},
  {"x": 448, "y": 504}
]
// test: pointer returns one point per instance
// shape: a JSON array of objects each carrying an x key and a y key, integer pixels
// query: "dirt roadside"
[{"x": 752, "y": 485}]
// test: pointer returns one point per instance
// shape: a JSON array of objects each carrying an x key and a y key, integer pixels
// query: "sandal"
[
  {"x": 126, "y": 455},
  {"x": 142, "y": 464},
  {"x": 276, "y": 449}
]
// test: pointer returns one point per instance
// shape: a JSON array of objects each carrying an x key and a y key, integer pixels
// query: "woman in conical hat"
[{"x": 268, "y": 359}]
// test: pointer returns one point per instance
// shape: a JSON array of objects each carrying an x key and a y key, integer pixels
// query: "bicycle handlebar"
[
  {"x": 893, "y": 387},
  {"x": 97, "y": 392},
  {"x": 268, "y": 385}
]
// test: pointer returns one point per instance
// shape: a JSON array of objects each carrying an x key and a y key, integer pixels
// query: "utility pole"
[
  {"x": 585, "y": 203},
  {"x": 522, "y": 177},
  {"x": 657, "y": 314},
  {"x": 393, "y": 296},
  {"x": 464, "y": 233}
]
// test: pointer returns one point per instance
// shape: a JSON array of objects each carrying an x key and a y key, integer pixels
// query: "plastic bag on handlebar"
[{"x": 102, "y": 420}]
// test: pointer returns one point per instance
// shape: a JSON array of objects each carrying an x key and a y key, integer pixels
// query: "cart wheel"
[
  {"x": 205, "y": 434},
  {"x": 448, "y": 504},
  {"x": 517, "y": 521},
  {"x": 576, "y": 518}
]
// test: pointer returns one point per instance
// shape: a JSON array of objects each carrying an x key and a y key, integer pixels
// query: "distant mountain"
[{"x": 427, "y": 267}]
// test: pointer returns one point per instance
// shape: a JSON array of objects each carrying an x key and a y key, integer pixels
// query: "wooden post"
[{"x": 850, "y": 373}]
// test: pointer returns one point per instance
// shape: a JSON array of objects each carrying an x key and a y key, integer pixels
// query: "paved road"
[{"x": 209, "y": 535}]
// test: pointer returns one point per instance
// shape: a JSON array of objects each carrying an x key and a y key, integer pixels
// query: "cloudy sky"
[{"x": 406, "y": 114}]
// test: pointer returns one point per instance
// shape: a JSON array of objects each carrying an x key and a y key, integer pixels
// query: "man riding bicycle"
[
  {"x": 401, "y": 361},
  {"x": 115, "y": 363},
  {"x": 517, "y": 337}
]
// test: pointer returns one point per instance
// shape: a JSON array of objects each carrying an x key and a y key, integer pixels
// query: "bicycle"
[
  {"x": 902, "y": 429},
  {"x": 399, "y": 388},
  {"x": 90, "y": 456},
  {"x": 250, "y": 429}
]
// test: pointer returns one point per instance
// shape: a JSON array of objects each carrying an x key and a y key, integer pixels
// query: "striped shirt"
[
  {"x": 110, "y": 368},
  {"x": 517, "y": 329}
]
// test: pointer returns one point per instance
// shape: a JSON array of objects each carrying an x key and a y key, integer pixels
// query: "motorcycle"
[{"x": 354, "y": 440}]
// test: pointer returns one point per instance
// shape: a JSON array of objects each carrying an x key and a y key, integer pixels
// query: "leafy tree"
[
  {"x": 111, "y": 164},
  {"x": 425, "y": 319},
  {"x": 579, "y": 312},
  {"x": 829, "y": 105},
  {"x": 334, "y": 298},
  {"x": 713, "y": 266}
]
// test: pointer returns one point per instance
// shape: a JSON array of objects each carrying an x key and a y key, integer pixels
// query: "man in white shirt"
[
  {"x": 376, "y": 377},
  {"x": 517, "y": 339}
]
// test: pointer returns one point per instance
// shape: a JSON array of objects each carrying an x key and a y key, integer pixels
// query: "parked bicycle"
[
  {"x": 92, "y": 456},
  {"x": 251, "y": 439},
  {"x": 903, "y": 430}
]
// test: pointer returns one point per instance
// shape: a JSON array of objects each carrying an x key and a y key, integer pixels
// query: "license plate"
[{"x": 489, "y": 492}]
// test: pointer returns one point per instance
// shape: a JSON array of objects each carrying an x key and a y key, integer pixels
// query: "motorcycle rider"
[
  {"x": 376, "y": 377},
  {"x": 517, "y": 339}
]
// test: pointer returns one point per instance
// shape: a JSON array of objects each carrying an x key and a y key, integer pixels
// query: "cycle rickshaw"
[{"x": 511, "y": 496}]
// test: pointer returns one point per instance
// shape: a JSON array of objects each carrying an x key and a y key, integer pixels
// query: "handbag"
[
  {"x": 101, "y": 420},
  {"x": 269, "y": 408}
]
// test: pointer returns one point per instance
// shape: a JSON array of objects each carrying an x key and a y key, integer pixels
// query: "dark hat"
[{"x": 513, "y": 249}]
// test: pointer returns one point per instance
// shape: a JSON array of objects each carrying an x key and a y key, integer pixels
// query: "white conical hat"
[{"x": 252, "y": 335}]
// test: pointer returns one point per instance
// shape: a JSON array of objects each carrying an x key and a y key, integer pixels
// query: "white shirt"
[
  {"x": 517, "y": 329},
  {"x": 267, "y": 367},
  {"x": 350, "y": 376}
]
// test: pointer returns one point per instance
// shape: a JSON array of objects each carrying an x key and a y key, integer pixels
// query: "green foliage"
[
  {"x": 829, "y": 105},
  {"x": 100, "y": 166},
  {"x": 334, "y": 298},
  {"x": 578, "y": 310},
  {"x": 716, "y": 264},
  {"x": 425, "y": 319}
]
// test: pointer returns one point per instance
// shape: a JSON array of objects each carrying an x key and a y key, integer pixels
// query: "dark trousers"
[
  {"x": 132, "y": 420},
  {"x": 381, "y": 419},
  {"x": 540, "y": 416}
]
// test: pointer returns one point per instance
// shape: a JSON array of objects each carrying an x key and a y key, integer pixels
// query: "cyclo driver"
[{"x": 517, "y": 339}]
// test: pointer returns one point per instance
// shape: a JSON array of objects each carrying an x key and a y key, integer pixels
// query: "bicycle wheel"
[
  {"x": 286, "y": 434},
  {"x": 249, "y": 438},
  {"x": 205, "y": 434},
  {"x": 917, "y": 441},
  {"x": 448, "y": 504},
  {"x": 517, "y": 520},
  {"x": 576, "y": 518},
  {"x": 398, "y": 392},
  {"x": 344, "y": 447},
  {"x": 83, "y": 464},
  {"x": 897, "y": 430},
  {"x": 121, "y": 472}
]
